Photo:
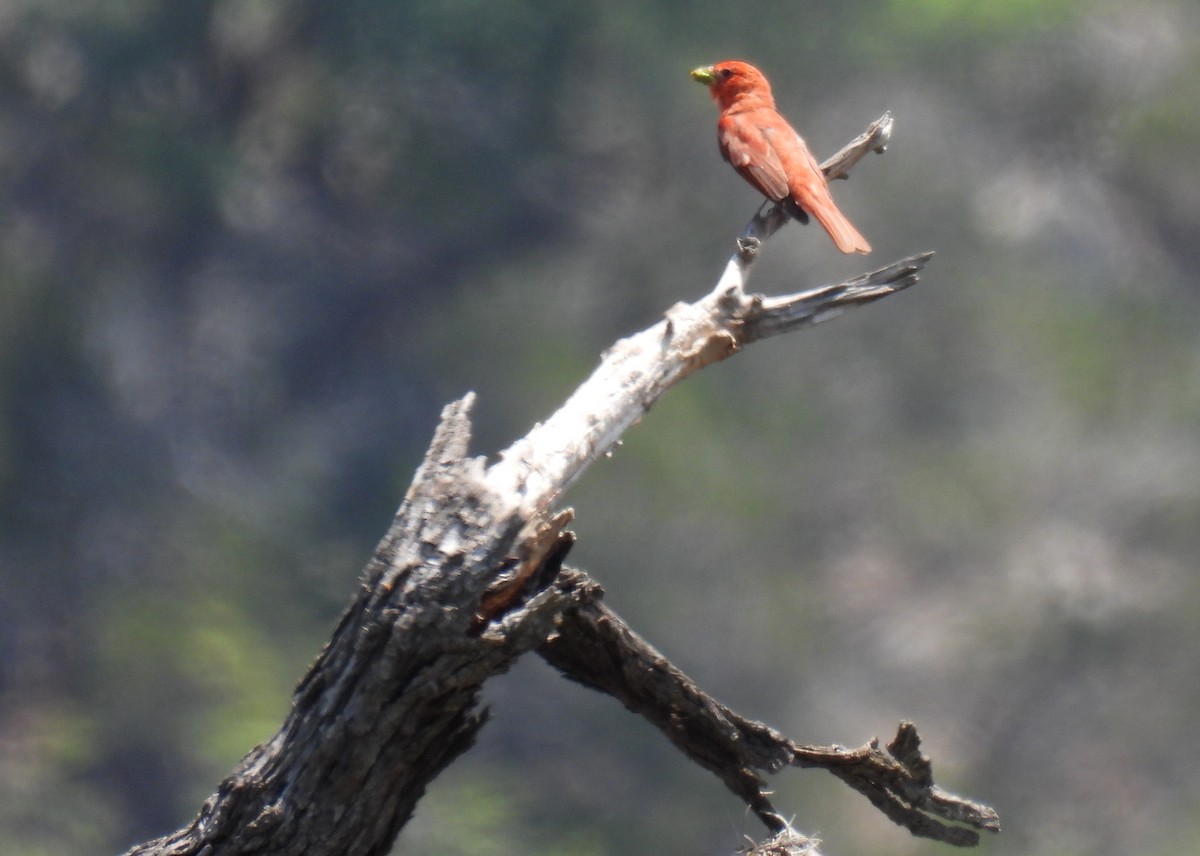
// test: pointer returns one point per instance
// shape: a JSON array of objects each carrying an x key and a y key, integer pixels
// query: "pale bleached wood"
[
  {"x": 635, "y": 372},
  {"x": 468, "y": 578}
]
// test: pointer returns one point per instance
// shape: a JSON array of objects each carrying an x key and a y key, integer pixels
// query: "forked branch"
[
  {"x": 468, "y": 578},
  {"x": 636, "y": 371}
]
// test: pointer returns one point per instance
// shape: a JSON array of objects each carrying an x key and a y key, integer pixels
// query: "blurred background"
[{"x": 249, "y": 248}]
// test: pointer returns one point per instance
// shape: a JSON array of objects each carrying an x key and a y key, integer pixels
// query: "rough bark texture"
[
  {"x": 597, "y": 649},
  {"x": 393, "y": 698},
  {"x": 469, "y": 577}
]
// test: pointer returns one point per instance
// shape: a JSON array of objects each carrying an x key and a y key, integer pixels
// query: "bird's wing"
[{"x": 746, "y": 144}]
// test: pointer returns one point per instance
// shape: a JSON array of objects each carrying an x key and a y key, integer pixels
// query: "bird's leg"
[{"x": 798, "y": 213}]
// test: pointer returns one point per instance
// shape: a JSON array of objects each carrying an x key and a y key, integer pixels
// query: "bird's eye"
[{"x": 725, "y": 74}]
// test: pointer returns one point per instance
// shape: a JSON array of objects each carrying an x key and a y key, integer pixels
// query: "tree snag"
[{"x": 470, "y": 576}]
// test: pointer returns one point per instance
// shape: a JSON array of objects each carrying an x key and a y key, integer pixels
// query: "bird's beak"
[{"x": 704, "y": 75}]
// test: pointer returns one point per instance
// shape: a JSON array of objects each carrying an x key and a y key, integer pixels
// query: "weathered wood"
[
  {"x": 594, "y": 647},
  {"x": 468, "y": 578},
  {"x": 393, "y": 698}
]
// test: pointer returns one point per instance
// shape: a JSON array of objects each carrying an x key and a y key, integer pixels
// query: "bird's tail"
[{"x": 847, "y": 238}]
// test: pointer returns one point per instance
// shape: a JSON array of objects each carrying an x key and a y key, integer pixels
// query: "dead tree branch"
[
  {"x": 594, "y": 647},
  {"x": 636, "y": 371},
  {"x": 469, "y": 577}
]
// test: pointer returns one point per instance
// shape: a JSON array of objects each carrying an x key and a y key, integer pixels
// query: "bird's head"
[{"x": 732, "y": 81}]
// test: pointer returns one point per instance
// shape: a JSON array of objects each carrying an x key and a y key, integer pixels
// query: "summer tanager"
[{"x": 768, "y": 152}]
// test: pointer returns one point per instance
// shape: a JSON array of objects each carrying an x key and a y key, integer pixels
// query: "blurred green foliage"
[{"x": 248, "y": 248}]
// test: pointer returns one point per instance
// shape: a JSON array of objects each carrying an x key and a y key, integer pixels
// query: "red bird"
[{"x": 767, "y": 151}]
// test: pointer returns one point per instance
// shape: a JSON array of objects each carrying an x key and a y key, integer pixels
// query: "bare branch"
[
  {"x": 468, "y": 578},
  {"x": 899, "y": 782},
  {"x": 594, "y": 647},
  {"x": 770, "y": 316},
  {"x": 874, "y": 139},
  {"x": 638, "y": 370}
]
